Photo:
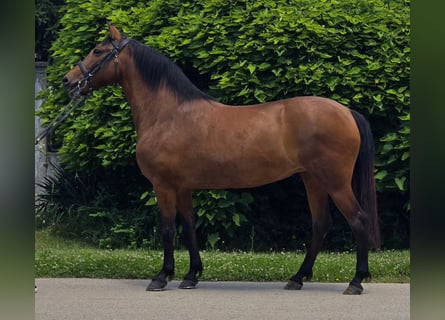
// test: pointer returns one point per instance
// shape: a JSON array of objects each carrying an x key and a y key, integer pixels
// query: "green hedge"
[{"x": 354, "y": 51}]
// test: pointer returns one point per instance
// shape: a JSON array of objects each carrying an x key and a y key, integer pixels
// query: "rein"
[
  {"x": 87, "y": 78},
  {"x": 75, "y": 101}
]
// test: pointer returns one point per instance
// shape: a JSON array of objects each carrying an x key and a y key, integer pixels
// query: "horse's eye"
[{"x": 97, "y": 51}]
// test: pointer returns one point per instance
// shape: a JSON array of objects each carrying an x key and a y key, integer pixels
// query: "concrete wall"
[{"x": 44, "y": 160}]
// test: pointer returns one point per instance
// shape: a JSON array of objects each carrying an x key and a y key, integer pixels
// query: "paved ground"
[{"x": 97, "y": 299}]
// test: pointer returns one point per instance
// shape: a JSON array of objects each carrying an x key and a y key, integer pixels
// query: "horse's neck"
[{"x": 147, "y": 106}]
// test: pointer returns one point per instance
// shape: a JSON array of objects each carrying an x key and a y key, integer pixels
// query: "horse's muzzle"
[{"x": 76, "y": 87}]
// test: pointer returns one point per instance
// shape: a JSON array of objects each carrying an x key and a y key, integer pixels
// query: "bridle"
[{"x": 88, "y": 75}]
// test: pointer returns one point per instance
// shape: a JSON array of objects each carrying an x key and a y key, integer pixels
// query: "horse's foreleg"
[
  {"x": 185, "y": 209},
  {"x": 167, "y": 205},
  {"x": 321, "y": 222},
  {"x": 358, "y": 221}
]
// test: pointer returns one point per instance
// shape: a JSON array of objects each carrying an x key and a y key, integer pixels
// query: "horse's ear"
[{"x": 114, "y": 33}]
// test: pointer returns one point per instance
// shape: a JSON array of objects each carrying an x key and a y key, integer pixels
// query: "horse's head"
[{"x": 100, "y": 67}]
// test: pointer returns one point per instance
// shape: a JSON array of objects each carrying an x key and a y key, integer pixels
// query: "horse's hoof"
[
  {"x": 157, "y": 285},
  {"x": 293, "y": 285},
  {"x": 353, "y": 290},
  {"x": 188, "y": 284}
]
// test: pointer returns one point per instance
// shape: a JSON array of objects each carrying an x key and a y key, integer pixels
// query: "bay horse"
[{"x": 186, "y": 140}]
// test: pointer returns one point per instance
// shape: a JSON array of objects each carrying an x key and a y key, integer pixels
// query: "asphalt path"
[{"x": 97, "y": 299}]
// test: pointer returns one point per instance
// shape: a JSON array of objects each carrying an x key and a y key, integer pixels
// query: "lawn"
[{"x": 55, "y": 257}]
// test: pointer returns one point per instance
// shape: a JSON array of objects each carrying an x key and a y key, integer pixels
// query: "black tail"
[{"x": 363, "y": 182}]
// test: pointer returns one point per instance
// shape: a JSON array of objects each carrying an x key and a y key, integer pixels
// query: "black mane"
[{"x": 157, "y": 70}]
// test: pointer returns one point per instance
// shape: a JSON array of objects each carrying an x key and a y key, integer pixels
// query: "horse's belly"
[{"x": 239, "y": 174}]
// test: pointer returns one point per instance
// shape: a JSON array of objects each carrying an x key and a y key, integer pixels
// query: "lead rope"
[{"x": 75, "y": 101}]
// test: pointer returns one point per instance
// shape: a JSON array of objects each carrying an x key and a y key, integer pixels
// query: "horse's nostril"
[{"x": 65, "y": 81}]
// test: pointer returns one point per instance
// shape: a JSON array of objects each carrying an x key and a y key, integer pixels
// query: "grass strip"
[{"x": 61, "y": 258}]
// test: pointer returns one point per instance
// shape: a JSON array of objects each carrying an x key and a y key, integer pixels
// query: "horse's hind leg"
[
  {"x": 346, "y": 202},
  {"x": 185, "y": 209},
  {"x": 321, "y": 222}
]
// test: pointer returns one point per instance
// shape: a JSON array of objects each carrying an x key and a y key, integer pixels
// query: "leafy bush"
[
  {"x": 101, "y": 210},
  {"x": 46, "y": 26},
  {"x": 241, "y": 52}
]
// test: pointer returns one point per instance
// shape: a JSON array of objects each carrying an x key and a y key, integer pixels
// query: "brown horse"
[{"x": 186, "y": 140}]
